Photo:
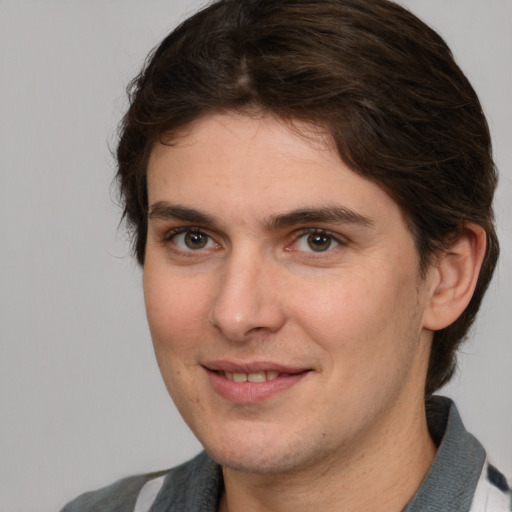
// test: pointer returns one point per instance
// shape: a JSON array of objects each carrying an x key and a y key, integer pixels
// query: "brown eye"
[
  {"x": 316, "y": 241},
  {"x": 319, "y": 242},
  {"x": 195, "y": 240},
  {"x": 192, "y": 241}
]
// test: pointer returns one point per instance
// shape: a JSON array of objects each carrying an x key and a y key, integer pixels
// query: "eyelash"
[{"x": 169, "y": 235}]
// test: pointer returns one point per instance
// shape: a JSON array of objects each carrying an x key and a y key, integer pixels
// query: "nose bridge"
[{"x": 246, "y": 300}]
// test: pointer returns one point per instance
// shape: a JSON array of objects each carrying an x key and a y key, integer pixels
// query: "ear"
[{"x": 454, "y": 276}]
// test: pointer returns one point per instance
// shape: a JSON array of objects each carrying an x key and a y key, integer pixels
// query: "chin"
[
  {"x": 260, "y": 463},
  {"x": 266, "y": 454}
]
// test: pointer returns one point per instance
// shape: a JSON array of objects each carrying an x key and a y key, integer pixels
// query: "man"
[{"x": 309, "y": 186}]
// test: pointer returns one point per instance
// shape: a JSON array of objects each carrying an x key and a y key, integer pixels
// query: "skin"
[{"x": 252, "y": 290}]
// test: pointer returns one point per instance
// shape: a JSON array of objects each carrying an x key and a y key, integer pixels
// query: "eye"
[
  {"x": 192, "y": 240},
  {"x": 317, "y": 241}
]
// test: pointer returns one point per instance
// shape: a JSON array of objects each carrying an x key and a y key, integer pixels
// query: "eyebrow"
[
  {"x": 163, "y": 210},
  {"x": 326, "y": 214}
]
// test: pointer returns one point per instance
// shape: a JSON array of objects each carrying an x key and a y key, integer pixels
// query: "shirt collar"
[{"x": 453, "y": 477}]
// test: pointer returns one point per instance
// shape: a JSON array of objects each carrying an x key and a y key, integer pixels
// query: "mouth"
[{"x": 254, "y": 383}]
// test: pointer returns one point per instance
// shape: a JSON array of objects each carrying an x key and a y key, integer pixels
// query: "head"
[{"x": 380, "y": 84}]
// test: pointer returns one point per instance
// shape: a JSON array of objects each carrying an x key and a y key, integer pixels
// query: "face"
[{"x": 283, "y": 295}]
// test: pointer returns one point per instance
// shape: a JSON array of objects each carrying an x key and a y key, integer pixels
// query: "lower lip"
[{"x": 252, "y": 392}]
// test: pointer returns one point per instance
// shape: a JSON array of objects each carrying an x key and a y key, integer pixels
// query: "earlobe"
[{"x": 456, "y": 274}]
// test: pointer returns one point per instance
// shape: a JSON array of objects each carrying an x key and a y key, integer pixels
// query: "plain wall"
[{"x": 81, "y": 399}]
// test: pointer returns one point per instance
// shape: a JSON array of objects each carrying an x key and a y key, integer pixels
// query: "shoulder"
[
  {"x": 460, "y": 478},
  {"x": 120, "y": 496},
  {"x": 493, "y": 493},
  {"x": 194, "y": 484}
]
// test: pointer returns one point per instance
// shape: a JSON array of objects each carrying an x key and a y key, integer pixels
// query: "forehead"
[
  {"x": 233, "y": 131},
  {"x": 262, "y": 163},
  {"x": 258, "y": 160}
]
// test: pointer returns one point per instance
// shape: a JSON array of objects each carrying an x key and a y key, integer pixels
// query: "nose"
[{"x": 247, "y": 298}]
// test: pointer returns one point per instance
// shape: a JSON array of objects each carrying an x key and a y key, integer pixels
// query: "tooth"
[
  {"x": 252, "y": 377},
  {"x": 256, "y": 377}
]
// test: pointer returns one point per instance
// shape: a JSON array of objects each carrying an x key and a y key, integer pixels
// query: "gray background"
[{"x": 81, "y": 400}]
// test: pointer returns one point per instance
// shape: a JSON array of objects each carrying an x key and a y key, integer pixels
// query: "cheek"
[
  {"x": 177, "y": 311},
  {"x": 177, "y": 316},
  {"x": 364, "y": 317}
]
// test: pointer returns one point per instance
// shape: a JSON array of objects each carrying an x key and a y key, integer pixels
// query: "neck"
[{"x": 374, "y": 475}]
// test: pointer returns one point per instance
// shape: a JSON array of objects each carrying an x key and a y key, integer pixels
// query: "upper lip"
[{"x": 253, "y": 367}]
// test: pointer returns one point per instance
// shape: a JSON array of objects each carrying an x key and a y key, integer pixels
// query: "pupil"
[
  {"x": 319, "y": 242},
  {"x": 195, "y": 240}
]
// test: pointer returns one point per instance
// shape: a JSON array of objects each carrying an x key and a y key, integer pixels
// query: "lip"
[
  {"x": 252, "y": 392},
  {"x": 252, "y": 367}
]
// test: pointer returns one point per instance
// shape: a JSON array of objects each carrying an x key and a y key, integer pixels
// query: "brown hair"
[{"x": 377, "y": 79}]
